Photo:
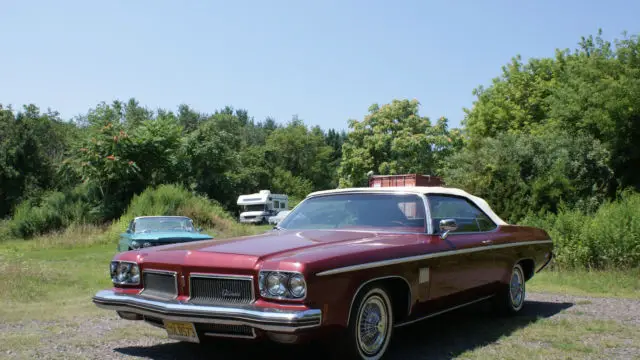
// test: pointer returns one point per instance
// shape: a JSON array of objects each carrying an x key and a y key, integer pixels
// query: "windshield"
[
  {"x": 144, "y": 225},
  {"x": 256, "y": 207},
  {"x": 399, "y": 212}
]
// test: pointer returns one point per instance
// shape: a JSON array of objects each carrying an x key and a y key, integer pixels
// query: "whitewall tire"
[
  {"x": 371, "y": 324},
  {"x": 511, "y": 299}
]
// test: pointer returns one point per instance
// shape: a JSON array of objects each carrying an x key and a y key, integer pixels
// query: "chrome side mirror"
[{"x": 446, "y": 226}]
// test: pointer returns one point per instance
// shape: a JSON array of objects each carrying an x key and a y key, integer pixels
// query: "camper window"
[{"x": 256, "y": 207}]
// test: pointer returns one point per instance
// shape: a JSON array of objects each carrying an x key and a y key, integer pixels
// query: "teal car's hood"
[{"x": 175, "y": 236}]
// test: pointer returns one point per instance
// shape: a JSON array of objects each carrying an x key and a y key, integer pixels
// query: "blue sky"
[{"x": 326, "y": 61}]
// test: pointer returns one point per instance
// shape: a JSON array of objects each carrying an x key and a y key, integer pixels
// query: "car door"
[{"x": 467, "y": 271}]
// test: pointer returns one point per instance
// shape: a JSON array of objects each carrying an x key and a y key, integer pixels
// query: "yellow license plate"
[{"x": 181, "y": 331}]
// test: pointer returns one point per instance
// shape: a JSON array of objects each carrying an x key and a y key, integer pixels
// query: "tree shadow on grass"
[{"x": 442, "y": 337}]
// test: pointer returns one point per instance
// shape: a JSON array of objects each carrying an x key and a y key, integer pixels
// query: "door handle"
[{"x": 487, "y": 242}]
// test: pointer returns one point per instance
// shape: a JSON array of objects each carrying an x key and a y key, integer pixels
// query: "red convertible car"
[{"x": 350, "y": 263}]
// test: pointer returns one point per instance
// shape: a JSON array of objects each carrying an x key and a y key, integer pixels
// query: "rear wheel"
[
  {"x": 371, "y": 325},
  {"x": 510, "y": 300}
]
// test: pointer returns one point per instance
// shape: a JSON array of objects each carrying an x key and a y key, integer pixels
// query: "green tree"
[
  {"x": 599, "y": 95},
  {"x": 593, "y": 91},
  {"x": 395, "y": 139},
  {"x": 515, "y": 102},
  {"x": 32, "y": 145},
  {"x": 211, "y": 156},
  {"x": 125, "y": 151},
  {"x": 520, "y": 173},
  {"x": 301, "y": 151},
  {"x": 189, "y": 118}
]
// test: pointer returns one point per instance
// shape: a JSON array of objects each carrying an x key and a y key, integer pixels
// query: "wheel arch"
[
  {"x": 528, "y": 267},
  {"x": 398, "y": 289}
]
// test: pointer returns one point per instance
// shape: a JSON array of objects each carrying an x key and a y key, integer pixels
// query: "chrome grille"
[
  {"x": 220, "y": 289},
  {"x": 159, "y": 284}
]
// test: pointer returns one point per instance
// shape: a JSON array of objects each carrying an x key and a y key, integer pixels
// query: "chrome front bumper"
[{"x": 267, "y": 319}]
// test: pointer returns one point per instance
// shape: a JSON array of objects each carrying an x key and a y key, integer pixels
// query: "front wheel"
[
  {"x": 371, "y": 325},
  {"x": 510, "y": 300}
]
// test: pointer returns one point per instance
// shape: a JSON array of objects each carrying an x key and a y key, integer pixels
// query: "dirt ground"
[{"x": 550, "y": 326}]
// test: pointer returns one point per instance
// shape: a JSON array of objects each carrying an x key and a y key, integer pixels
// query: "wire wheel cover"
[{"x": 373, "y": 324}]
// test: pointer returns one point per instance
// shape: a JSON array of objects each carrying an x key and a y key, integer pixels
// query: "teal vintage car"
[{"x": 146, "y": 231}]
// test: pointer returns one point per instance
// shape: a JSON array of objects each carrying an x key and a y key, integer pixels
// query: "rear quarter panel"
[{"x": 534, "y": 254}]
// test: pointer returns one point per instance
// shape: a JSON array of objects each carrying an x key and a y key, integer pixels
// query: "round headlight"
[
  {"x": 276, "y": 284},
  {"x": 146, "y": 244},
  {"x": 297, "y": 285},
  {"x": 135, "y": 244}
]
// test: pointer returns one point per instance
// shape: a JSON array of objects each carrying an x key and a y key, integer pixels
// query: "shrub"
[
  {"x": 53, "y": 211},
  {"x": 176, "y": 200},
  {"x": 608, "y": 238}
]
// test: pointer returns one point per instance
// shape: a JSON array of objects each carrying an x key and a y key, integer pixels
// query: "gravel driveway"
[{"x": 448, "y": 336}]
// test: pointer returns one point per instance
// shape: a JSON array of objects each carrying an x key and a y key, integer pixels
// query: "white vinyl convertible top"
[{"x": 420, "y": 190}]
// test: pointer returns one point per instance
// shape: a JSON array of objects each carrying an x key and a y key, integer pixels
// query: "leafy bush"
[
  {"x": 608, "y": 238},
  {"x": 53, "y": 211},
  {"x": 519, "y": 173},
  {"x": 175, "y": 200}
]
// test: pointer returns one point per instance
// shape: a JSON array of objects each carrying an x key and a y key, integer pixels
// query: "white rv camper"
[{"x": 257, "y": 208}]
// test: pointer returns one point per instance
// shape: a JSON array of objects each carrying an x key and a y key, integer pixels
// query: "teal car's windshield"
[
  {"x": 395, "y": 212},
  {"x": 156, "y": 224}
]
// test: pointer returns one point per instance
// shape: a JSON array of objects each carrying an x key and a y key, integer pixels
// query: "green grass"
[
  {"x": 55, "y": 276},
  {"x": 562, "y": 339},
  {"x": 64, "y": 270},
  {"x": 616, "y": 283},
  {"x": 52, "y": 279}
]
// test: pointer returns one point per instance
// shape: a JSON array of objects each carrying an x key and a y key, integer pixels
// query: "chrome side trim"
[
  {"x": 355, "y": 295},
  {"x": 267, "y": 319},
  {"x": 443, "y": 311},
  {"x": 407, "y": 259}
]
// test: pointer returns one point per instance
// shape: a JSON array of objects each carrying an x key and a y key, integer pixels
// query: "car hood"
[
  {"x": 278, "y": 246},
  {"x": 170, "y": 236},
  {"x": 272, "y": 242}
]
